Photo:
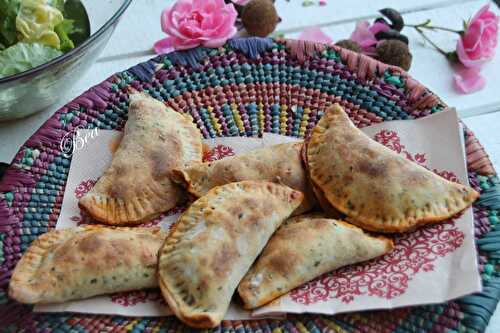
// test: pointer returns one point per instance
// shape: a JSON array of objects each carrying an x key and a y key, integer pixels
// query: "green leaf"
[
  {"x": 75, "y": 10},
  {"x": 24, "y": 56},
  {"x": 59, "y": 4},
  {"x": 465, "y": 24},
  {"x": 8, "y": 14},
  {"x": 452, "y": 57},
  {"x": 64, "y": 29}
]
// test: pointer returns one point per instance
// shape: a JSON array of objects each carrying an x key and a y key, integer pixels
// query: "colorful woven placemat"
[{"x": 245, "y": 88}]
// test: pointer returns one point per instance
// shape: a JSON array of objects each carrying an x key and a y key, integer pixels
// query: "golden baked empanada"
[
  {"x": 375, "y": 187},
  {"x": 82, "y": 262},
  {"x": 303, "y": 249},
  {"x": 279, "y": 163},
  {"x": 214, "y": 243},
  {"x": 326, "y": 206},
  {"x": 137, "y": 186}
]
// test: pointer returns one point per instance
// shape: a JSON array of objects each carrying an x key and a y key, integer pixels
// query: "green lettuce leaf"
[
  {"x": 8, "y": 14},
  {"x": 74, "y": 10},
  {"x": 24, "y": 56},
  {"x": 62, "y": 30},
  {"x": 59, "y": 4}
]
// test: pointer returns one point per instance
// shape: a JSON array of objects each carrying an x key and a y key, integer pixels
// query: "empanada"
[
  {"x": 326, "y": 206},
  {"x": 137, "y": 186},
  {"x": 279, "y": 163},
  {"x": 303, "y": 249},
  {"x": 82, "y": 262},
  {"x": 214, "y": 243},
  {"x": 376, "y": 188}
]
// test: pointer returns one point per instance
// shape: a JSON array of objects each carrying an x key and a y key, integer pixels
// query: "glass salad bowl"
[{"x": 35, "y": 89}]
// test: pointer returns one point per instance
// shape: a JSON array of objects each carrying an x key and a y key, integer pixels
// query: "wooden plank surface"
[
  {"x": 431, "y": 68},
  {"x": 143, "y": 18},
  {"x": 295, "y": 17}
]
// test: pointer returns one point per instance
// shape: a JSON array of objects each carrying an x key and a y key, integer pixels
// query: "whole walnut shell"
[
  {"x": 259, "y": 17},
  {"x": 394, "y": 52},
  {"x": 350, "y": 45}
]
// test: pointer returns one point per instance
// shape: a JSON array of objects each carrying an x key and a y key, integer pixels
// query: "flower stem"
[
  {"x": 445, "y": 29},
  {"x": 427, "y": 25},
  {"x": 440, "y": 50}
]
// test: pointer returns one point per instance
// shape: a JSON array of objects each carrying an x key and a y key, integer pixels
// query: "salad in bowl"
[
  {"x": 46, "y": 46},
  {"x": 34, "y": 32}
]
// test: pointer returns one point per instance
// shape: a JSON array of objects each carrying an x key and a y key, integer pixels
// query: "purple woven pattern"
[{"x": 248, "y": 87}]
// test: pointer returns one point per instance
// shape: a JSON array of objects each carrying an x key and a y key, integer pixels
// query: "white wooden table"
[{"x": 140, "y": 28}]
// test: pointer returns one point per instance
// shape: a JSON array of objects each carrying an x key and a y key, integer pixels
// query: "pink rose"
[
  {"x": 364, "y": 34},
  {"x": 190, "y": 23},
  {"x": 241, "y": 2},
  {"x": 478, "y": 42}
]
